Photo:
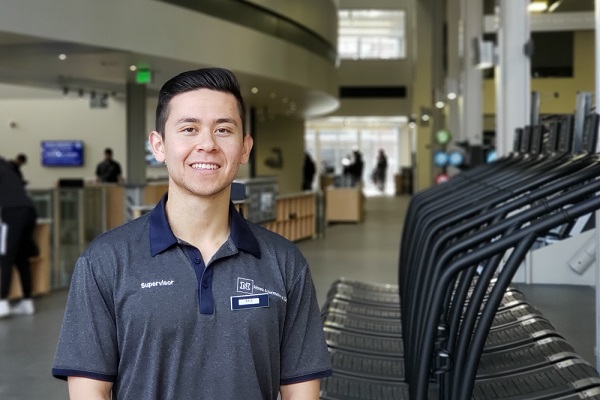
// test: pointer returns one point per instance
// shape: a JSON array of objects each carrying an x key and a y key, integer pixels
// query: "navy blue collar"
[{"x": 162, "y": 237}]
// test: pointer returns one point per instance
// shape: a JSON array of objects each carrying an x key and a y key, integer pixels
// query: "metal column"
[
  {"x": 455, "y": 53},
  {"x": 597, "y": 214},
  {"x": 471, "y": 98},
  {"x": 513, "y": 80},
  {"x": 136, "y": 147}
]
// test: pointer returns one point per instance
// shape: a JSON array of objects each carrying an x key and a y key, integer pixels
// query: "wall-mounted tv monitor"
[{"x": 62, "y": 153}]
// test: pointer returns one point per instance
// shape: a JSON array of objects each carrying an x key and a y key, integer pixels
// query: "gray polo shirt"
[{"x": 146, "y": 313}]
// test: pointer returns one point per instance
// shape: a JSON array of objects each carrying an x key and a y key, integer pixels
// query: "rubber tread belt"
[
  {"x": 527, "y": 357},
  {"x": 564, "y": 378},
  {"x": 367, "y": 344},
  {"x": 377, "y": 287},
  {"x": 393, "y": 327},
  {"x": 518, "y": 334},
  {"x": 340, "y": 387},
  {"x": 531, "y": 356},
  {"x": 348, "y": 307},
  {"x": 368, "y": 366},
  {"x": 370, "y": 286},
  {"x": 392, "y": 311},
  {"x": 366, "y": 299},
  {"x": 364, "y": 325},
  {"x": 587, "y": 394},
  {"x": 507, "y": 337}
]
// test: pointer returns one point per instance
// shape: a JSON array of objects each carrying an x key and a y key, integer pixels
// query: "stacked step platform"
[{"x": 454, "y": 328}]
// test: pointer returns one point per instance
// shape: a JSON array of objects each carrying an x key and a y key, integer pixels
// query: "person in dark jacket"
[
  {"x": 17, "y": 163},
  {"x": 109, "y": 171},
  {"x": 308, "y": 172},
  {"x": 19, "y": 216}
]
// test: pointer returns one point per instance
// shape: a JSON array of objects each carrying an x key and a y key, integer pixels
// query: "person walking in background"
[
  {"x": 17, "y": 163},
  {"x": 357, "y": 167},
  {"x": 109, "y": 170},
  {"x": 308, "y": 172},
  {"x": 380, "y": 170},
  {"x": 19, "y": 215},
  {"x": 191, "y": 301}
]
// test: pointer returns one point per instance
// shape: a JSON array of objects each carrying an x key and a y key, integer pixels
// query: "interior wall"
[
  {"x": 558, "y": 95},
  {"x": 378, "y": 73},
  {"x": 55, "y": 119},
  {"x": 286, "y": 135},
  {"x": 38, "y": 119}
]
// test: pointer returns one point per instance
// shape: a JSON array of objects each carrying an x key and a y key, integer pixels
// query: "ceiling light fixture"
[
  {"x": 537, "y": 6},
  {"x": 254, "y": 90},
  {"x": 62, "y": 57},
  {"x": 554, "y": 5},
  {"x": 132, "y": 68}
]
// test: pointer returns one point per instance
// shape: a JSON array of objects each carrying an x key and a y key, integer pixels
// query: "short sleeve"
[
  {"x": 304, "y": 354},
  {"x": 87, "y": 344}
]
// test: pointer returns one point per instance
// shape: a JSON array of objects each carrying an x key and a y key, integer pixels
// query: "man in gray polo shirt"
[{"x": 191, "y": 301}]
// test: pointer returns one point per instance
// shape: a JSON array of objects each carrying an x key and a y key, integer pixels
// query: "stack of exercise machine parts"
[{"x": 455, "y": 327}]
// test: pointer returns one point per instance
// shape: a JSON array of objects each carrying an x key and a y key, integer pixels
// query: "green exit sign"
[{"x": 143, "y": 75}]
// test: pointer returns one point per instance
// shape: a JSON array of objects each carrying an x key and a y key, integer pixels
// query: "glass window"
[
  {"x": 371, "y": 34},
  {"x": 333, "y": 140}
]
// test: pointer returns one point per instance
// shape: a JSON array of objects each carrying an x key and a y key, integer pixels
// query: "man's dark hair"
[
  {"x": 218, "y": 79},
  {"x": 108, "y": 151},
  {"x": 22, "y": 158}
]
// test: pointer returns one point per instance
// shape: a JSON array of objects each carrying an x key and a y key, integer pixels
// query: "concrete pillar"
[
  {"x": 513, "y": 82},
  {"x": 455, "y": 53},
  {"x": 438, "y": 63},
  {"x": 422, "y": 91},
  {"x": 136, "y": 134},
  {"x": 597, "y": 214},
  {"x": 136, "y": 147},
  {"x": 471, "y": 98}
]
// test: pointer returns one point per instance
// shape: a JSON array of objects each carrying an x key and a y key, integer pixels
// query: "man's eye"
[
  {"x": 223, "y": 131},
  {"x": 189, "y": 130}
]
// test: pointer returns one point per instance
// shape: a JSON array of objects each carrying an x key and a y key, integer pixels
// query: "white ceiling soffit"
[{"x": 565, "y": 21}]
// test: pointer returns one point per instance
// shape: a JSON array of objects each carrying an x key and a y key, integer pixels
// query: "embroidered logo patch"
[{"x": 245, "y": 285}]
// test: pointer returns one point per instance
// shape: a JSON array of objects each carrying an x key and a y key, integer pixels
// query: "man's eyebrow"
[
  {"x": 187, "y": 120},
  {"x": 226, "y": 121}
]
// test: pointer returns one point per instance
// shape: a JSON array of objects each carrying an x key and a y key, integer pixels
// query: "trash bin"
[{"x": 407, "y": 180}]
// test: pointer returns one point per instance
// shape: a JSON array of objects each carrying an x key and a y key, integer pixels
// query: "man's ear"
[
  {"x": 246, "y": 148},
  {"x": 157, "y": 146}
]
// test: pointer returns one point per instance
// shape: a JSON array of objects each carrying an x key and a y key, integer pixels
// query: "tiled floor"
[{"x": 366, "y": 251}]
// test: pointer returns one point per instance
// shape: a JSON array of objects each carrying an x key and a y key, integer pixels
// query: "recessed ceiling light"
[
  {"x": 254, "y": 90},
  {"x": 537, "y": 6},
  {"x": 132, "y": 68},
  {"x": 273, "y": 95},
  {"x": 554, "y": 6},
  {"x": 62, "y": 57}
]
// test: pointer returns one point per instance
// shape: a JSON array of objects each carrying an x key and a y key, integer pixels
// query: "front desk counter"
[
  {"x": 295, "y": 218},
  {"x": 344, "y": 204},
  {"x": 40, "y": 265}
]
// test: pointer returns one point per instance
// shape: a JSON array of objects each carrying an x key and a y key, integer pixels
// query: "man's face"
[{"x": 203, "y": 143}]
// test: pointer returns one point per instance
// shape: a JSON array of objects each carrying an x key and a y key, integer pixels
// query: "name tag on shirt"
[{"x": 249, "y": 301}]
